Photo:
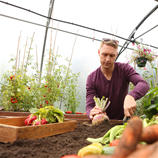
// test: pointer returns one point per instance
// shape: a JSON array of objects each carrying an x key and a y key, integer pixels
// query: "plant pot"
[{"x": 141, "y": 61}]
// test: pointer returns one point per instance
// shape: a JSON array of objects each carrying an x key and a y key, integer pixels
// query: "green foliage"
[
  {"x": 21, "y": 92},
  {"x": 144, "y": 106},
  {"x": 50, "y": 113},
  {"x": 72, "y": 96}
]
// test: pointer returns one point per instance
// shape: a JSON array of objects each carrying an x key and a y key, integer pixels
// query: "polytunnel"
[
  {"x": 78, "y": 78},
  {"x": 78, "y": 28}
]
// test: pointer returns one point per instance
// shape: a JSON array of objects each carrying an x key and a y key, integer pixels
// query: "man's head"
[
  {"x": 108, "y": 53},
  {"x": 109, "y": 42}
]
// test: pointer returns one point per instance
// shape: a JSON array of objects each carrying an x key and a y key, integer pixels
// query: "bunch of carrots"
[{"x": 129, "y": 145}]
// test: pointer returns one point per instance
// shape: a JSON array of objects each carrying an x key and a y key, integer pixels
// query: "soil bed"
[{"x": 55, "y": 146}]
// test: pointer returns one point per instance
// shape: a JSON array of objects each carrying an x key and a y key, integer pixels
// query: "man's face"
[{"x": 107, "y": 55}]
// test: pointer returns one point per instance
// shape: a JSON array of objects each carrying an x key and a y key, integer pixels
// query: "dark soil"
[{"x": 54, "y": 146}]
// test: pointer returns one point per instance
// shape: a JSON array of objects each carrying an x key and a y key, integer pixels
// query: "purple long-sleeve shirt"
[{"x": 115, "y": 89}]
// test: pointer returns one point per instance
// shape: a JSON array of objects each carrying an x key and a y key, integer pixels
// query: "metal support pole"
[
  {"x": 51, "y": 4},
  {"x": 134, "y": 31}
]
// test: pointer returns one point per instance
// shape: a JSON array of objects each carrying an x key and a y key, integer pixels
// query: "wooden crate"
[
  {"x": 80, "y": 118},
  {"x": 12, "y": 129}
]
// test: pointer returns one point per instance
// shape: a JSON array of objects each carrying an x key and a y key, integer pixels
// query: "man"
[{"x": 111, "y": 80}]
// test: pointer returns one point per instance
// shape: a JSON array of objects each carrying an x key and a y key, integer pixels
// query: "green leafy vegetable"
[{"x": 50, "y": 113}]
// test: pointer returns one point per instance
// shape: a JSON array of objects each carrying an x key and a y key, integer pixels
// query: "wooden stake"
[
  {"x": 54, "y": 42},
  {"x": 68, "y": 68},
  {"x": 17, "y": 53},
  {"x": 37, "y": 62},
  {"x": 19, "y": 60},
  {"x": 24, "y": 57},
  {"x": 29, "y": 52},
  {"x": 115, "y": 34},
  {"x": 50, "y": 48},
  {"x": 55, "y": 60}
]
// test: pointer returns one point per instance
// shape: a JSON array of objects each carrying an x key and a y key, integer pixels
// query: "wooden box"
[{"x": 12, "y": 129}]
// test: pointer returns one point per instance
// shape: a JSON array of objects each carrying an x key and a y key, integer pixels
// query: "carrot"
[
  {"x": 145, "y": 152},
  {"x": 140, "y": 146},
  {"x": 130, "y": 138},
  {"x": 149, "y": 134},
  {"x": 154, "y": 154}
]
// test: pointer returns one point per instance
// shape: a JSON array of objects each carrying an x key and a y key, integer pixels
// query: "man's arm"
[
  {"x": 141, "y": 88},
  {"x": 91, "y": 109}
]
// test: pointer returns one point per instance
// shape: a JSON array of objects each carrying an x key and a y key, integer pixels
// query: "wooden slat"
[
  {"x": 35, "y": 132},
  {"x": 13, "y": 113},
  {"x": 7, "y": 134},
  {"x": 12, "y": 129},
  {"x": 119, "y": 122},
  {"x": 15, "y": 121},
  {"x": 78, "y": 116}
]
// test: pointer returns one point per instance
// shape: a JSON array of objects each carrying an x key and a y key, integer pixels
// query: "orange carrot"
[
  {"x": 145, "y": 152},
  {"x": 130, "y": 138},
  {"x": 154, "y": 154},
  {"x": 140, "y": 146},
  {"x": 149, "y": 134}
]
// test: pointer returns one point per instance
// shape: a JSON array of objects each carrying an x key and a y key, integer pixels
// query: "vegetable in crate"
[
  {"x": 48, "y": 114},
  {"x": 99, "y": 118},
  {"x": 30, "y": 119}
]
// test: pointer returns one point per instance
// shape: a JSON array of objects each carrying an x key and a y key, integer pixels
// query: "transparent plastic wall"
[{"x": 116, "y": 17}]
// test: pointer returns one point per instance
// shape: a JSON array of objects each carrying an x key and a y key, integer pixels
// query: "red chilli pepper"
[
  {"x": 28, "y": 87},
  {"x": 45, "y": 85},
  {"x": 114, "y": 142},
  {"x": 44, "y": 95}
]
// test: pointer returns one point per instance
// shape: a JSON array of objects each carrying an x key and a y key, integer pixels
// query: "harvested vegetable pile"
[
  {"x": 55, "y": 146},
  {"x": 48, "y": 114}
]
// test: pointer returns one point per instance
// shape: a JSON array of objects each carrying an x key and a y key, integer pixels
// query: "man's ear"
[
  {"x": 98, "y": 52},
  {"x": 116, "y": 54}
]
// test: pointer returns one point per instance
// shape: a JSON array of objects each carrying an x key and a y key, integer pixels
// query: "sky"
[{"x": 115, "y": 16}]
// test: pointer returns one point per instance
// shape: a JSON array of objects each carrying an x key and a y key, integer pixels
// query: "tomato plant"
[{"x": 20, "y": 91}]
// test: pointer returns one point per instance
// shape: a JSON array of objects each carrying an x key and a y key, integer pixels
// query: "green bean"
[
  {"x": 95, "y": 140},
  {"x": 119, "y": 131},
  {"x": 113, "y": 131},
  {"x": 106, "y": 140},
  {"x": 107, "y": 134}
]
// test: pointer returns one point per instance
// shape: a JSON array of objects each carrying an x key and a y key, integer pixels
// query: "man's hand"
[
  {"x": 94, "y": 111},
  {"x": 129, "y": 106}
]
